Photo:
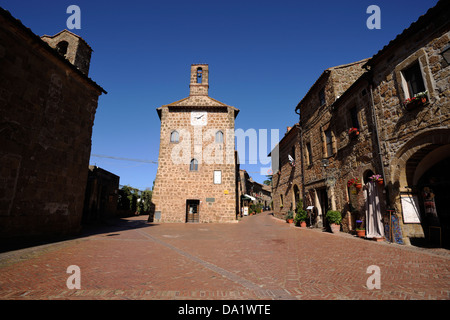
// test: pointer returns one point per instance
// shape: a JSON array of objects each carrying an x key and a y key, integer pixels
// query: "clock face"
[{"x": 199, "y": 118}]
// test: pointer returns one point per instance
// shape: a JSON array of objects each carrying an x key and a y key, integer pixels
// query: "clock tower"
[{"x": 197, "y": 172}]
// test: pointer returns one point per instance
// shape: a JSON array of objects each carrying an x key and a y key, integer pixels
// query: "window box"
[
  {"x": 353, "y": 132},
  {"x": 418, "y": 100}
]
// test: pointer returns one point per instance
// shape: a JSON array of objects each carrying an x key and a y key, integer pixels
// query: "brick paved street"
[{"x": 260, "y": 257}]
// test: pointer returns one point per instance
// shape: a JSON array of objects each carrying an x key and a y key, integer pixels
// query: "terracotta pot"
[
  {"x": 303, "y": 224},
  {"x": 361, "y": 233},
  {"x": 380, "y": 182},
  {"x": 290, "y": 220},
  {"x": 358, "y": 186},
  {"x": 335, "y": 228}
]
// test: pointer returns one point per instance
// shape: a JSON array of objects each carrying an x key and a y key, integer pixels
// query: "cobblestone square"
[{"x": 259, "y": 258}]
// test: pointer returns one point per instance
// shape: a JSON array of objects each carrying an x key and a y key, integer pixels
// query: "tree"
[
  {"x": 128, "y": 197},
  {"x": 268, "y": 182},
  {"x": 146, "y": 201}
]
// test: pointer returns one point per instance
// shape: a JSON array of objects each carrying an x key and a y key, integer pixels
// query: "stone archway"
[
  {"x": 414, "y": 150},
  {"x": 416, "y": 162}
]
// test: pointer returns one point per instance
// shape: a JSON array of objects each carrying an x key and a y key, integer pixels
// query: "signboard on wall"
[{"x": 410, "y": 208}]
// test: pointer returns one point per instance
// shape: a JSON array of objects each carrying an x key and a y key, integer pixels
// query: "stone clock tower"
[{"x": 196, "y": 179}]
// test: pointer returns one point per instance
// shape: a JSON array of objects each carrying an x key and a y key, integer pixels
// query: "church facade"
[{"x": 197, "y": 165}]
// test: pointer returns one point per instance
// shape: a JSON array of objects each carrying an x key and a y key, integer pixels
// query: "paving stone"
[{"x": 261, "y": 257}]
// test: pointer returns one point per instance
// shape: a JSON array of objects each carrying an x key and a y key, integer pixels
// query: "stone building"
[
  {"x": 47, "y": 107},
  {"x": 415, "y": 136},
  {"x": 372, "y": 127},
  {"x": 287, "y": 177},
  {"x": 197, "y": 172},
  {"x": 101, "y": 195},
  {"x": 319, "y": 142},
  {"x": 252, "y": 192}
]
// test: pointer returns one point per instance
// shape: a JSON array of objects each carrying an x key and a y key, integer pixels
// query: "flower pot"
[
  {"x": 335, "y": 228},
  {"x": 361, "y": 233},
  {"x": 380, "y": 182},
  {"x": 290, "y": 220},
  {"x": 358, "y": 186},
  {"x": 303, "y": 224}
]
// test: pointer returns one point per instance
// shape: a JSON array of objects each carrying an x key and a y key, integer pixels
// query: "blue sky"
[{"x": 263, "y": 58}]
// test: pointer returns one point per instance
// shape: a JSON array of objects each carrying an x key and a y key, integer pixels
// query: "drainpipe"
[
  {"x": 375, "y": 122},
  {"x": 300, "y": 127}
]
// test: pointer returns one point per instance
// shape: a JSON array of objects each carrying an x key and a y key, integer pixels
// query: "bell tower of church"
[{"x": 199, "y": 80}]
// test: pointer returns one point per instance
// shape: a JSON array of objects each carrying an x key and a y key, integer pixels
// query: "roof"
[
  {"x": 69, "y": 32},
  {"x": 198, "y": 101},
  {"x": 8, "y": 16},
  {"x": 325, "y": 73},
  {"x": 295, "y": 126},
  {"x": 441, "y": 8}
]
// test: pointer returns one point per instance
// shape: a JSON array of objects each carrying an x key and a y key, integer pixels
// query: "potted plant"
[
  {"x": 377, "y": 178},
  {"x": 356, "y": 182},
  {"x": 290, "y": 217},
  {"x": 360, "y": 230},
  {"x": 334, "y": 218},
  {"x": 300, "y": 217}
]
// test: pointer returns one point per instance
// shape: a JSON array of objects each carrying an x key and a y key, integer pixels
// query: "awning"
[{"x": 247, "y": 197}]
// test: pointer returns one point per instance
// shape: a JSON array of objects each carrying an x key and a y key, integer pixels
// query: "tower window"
[
  {"x": 174, "y": 137},
  {"x": 62, "y": 48},
  {"x": 199, "y": 75},
  {"x": 194, "y": 165},
  {"x": 219, "y": 137}
]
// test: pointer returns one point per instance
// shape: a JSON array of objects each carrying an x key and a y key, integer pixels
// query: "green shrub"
[
  {"x": 290, "y": 215},
  {"x": 334, "y": 217},
  {"x": 301, "y": 213},
  {"x": 300, "y": 216}
]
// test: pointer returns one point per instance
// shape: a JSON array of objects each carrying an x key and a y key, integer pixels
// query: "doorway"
[
  {"x": 434, "y": 186},
  {"x": 192, "y": 211},
  {"x": 323, "y": 201}
]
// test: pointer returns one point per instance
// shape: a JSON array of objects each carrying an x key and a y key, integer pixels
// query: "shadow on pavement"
[{"x": 110, "y": 226}]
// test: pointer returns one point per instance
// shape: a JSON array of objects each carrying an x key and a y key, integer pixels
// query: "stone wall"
[
  {"x": 45, "y": 142},
  {"x": 407, "y": 133},
  {"x": 322, "y": 175},
  {"x": 288, "y": 176}
]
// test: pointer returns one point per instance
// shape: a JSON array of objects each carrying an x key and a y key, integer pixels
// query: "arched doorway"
[
  {"x": 421, "y": 170},
  {"x": 434, "y": 188}
]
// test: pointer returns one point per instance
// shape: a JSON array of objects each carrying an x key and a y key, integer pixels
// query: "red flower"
[{"x": 353, "y": 131}]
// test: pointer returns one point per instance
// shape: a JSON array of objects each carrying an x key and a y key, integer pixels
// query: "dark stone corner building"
[
  {"x": 388, "y": 115},
  {"x": 47, "y": 109}
]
